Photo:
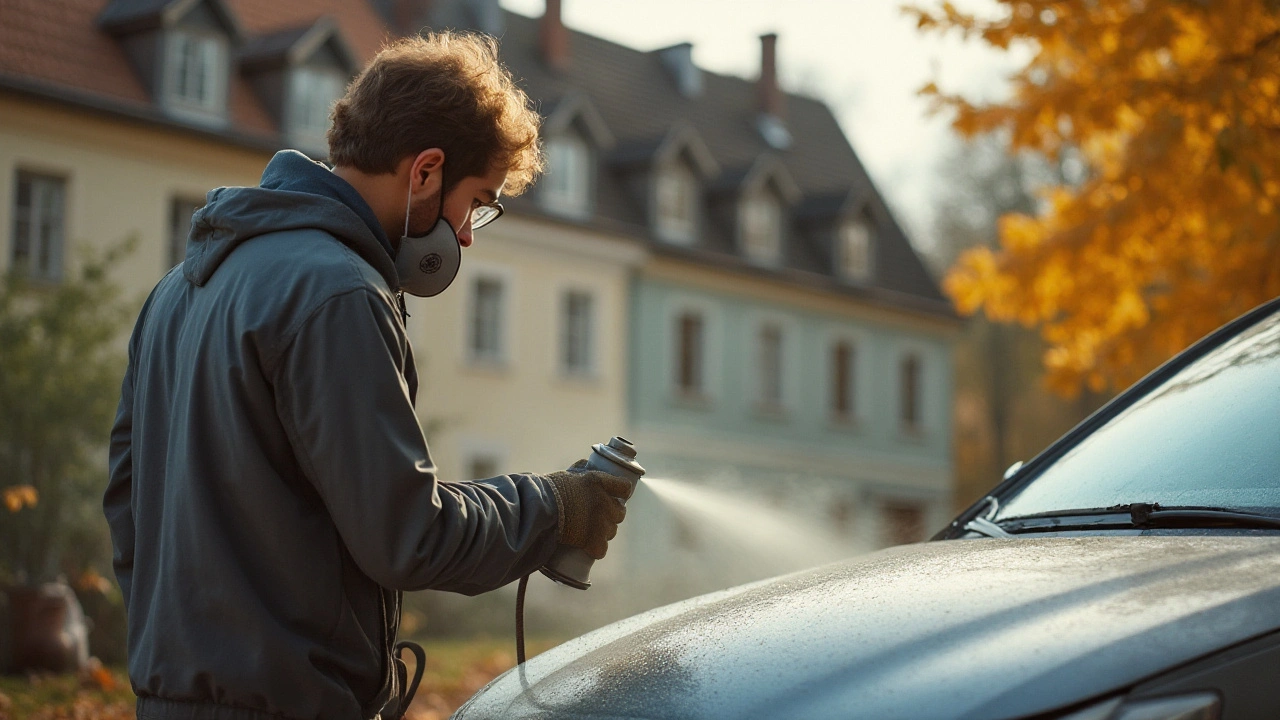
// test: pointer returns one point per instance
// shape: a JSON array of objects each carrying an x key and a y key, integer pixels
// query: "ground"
[{"x": 455, "y": 670}]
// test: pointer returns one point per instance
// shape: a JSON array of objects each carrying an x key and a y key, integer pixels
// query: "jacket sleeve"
[
  {"x": 117, "y": 502},
  {"x": 342, "y": 397}
]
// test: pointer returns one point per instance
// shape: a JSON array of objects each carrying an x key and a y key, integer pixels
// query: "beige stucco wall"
[
  {"x": 121, "y": 178},
  {"x": 525, "y": 411}
]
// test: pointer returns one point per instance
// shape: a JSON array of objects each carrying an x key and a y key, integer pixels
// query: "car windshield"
[{"x": 1209, "y": 436}]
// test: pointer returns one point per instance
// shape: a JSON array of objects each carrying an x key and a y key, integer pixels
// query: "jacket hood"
[
  {"x": 295, "y": 194},
  {"x": 957, "y": 630}
]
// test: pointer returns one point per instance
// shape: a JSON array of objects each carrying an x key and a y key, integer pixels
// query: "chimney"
[
  {"x": 553, "y": 37},
  {"x": 407, "y": 17},
  {"x": 771, "y": 100},
  {"x": 678, "y": 60}
]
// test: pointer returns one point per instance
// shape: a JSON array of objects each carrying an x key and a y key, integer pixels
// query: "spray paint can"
[{"x": 570, "y": 565}]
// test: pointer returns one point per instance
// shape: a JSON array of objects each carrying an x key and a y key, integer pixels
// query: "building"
[
  {"x": 782, "y": 331},
  {"x": 706, "y": 266}
]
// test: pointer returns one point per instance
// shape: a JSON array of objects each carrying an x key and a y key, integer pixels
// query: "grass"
[{"x": 455, "y": 670}]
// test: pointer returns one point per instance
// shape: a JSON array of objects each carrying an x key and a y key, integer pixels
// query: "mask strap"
[{"x": 408, "y": 202}]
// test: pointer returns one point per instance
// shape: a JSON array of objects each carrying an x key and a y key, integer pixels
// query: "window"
[
  {"x": 486, "y": 319},
  {"x": 770, "y": 366},
  {"x": 909, "y": 393},
  {"x": 482, "y": 467},
  {"x": 760, "y": 217},
  {"x": 853, "y": 259},
  {"x": 180, "y": 212},
  {"x": 676, "y": 204},
  {"x": 690, "y": 351},
  {"x": 196, "y": 71},
  {"x": 313, "y": 93},
  {"x": 566, "y": 187},
  {"x": 842, "y": 381},
  {"x": 902, "y": 523},
  {"x": 576, "y": 333},
  {"x": 39, "y": 224}
]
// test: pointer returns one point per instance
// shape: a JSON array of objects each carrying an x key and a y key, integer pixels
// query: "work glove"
[{"x": 590, "y": 506}]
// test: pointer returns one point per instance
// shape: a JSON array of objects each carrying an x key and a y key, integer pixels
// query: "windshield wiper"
[
  {"x": 1141, "y": 516},
  {"x": 1154, "y": 516},
  {"x": 983, "y": 525}
]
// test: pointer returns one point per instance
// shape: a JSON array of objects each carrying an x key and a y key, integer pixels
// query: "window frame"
[
  {"x": 757, "y": 244},
  {"x": 571, "y": 195},
  {"x": 695, "y": 362},
  {"x": 305, "y": 134},
  {"x": 910, "y": 395},
  {"x": 178, "y": 232},
  {"x": 864, "y": 272},
  {"x": 585, "y": 336},
  {"x": 217, "y": 71},
  {"x": 496, "y": 356},
  {"x": 679, "y": 180},
  {"x": 770, "y": 373},
  {"x": 52, "y": 248},
  {"x": 848, "y": 390}
]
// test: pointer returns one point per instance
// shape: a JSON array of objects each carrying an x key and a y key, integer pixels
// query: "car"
[{"x": 1131, "y": 571}]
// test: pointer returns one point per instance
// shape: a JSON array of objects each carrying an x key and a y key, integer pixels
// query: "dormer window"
[
  {"x": 760, "y": 228},
  {"x": 676, "y": 206},
  {"x": 853, "y": 250},
  {"x": 565, "y": 190},
  {"x": 196, "y": 66},
  {"x": 313, "y": 91}
]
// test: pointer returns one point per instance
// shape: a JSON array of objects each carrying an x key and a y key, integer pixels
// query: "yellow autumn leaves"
[
  {"x": 1174, "y": 229},
  {"x": 17, "y": 497}
]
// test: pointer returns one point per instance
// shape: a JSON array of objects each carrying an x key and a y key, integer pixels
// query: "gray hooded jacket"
[{"x": 270, "y": 489}]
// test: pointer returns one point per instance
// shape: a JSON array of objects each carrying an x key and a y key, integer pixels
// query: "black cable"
[
  {"x": 409, "y": 689},
  {"x": 524, "y": 583}
]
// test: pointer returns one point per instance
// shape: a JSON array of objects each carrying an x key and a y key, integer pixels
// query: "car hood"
[{"x": 955, "y": 629}]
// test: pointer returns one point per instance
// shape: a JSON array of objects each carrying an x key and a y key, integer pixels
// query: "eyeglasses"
[{"x": 485, "y": 213}]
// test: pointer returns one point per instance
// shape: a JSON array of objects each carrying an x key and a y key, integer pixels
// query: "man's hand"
[{"x": 590, "y": 507}]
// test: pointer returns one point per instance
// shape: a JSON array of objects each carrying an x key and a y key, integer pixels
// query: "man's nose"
[{"x": 464, "y": 235}]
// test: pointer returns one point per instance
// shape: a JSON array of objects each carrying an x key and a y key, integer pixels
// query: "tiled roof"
[
  {"x": 59, "y": 44},
  {"x": 640, "y": 102},
  {"x": 60, "y": 48}
]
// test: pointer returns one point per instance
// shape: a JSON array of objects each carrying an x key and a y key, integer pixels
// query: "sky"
[{"x": 865, "y": 58}]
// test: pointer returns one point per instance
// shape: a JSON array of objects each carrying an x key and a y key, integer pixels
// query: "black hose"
[
  {"x": 520, "y": 620},
  {"x": 409, "y": 689}
]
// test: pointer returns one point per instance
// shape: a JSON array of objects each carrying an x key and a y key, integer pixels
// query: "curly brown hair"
[{"x": 443, "y": 90}]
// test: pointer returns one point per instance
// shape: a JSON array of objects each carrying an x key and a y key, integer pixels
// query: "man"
[{"x": 271, "y": 493}]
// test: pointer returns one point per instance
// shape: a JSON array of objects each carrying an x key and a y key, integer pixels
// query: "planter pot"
[{"x": 48, "y": 629}]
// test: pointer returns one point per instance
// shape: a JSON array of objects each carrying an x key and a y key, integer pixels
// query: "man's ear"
[{"x": 425, "y": 166}]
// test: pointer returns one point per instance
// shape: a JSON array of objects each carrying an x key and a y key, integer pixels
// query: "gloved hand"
[{"x": 589, "y": 506}]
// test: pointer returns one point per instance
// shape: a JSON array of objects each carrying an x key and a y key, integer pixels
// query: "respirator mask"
[{"x": 427, "y": 264}]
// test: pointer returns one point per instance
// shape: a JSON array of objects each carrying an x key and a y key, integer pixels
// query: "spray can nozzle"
[{"x": 572, "y": 566}]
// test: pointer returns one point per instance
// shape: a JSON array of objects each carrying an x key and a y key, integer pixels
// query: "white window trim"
[
  {"x": 923, "y": 426},
  {"x": 174, "y": 198},
  {"x": 788, "y": 385},
  {"x": 572, "y": 201},
  {"x": 592, "y": 369},
  {"x": 712, "y": 346},
  {"x": 841, "y": 254},
  {"x": 309, "y": 136},
  {"x": 862, "y": 363},
  {"x": 777, "y": 250},
  {"x": 472, "y": 447},
  {"x": 216, "y": 105},
  {"x": 60, "y": 256},
  {"x": 667, "y": 227},
  {"x": 473, "y": 271}
]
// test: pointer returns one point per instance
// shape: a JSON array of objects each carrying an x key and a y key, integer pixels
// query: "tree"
[
  {"x": 1172, "y": 107},
  {"x": 1002, "y": 410},
  {"x": 62, "y": 361}
]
